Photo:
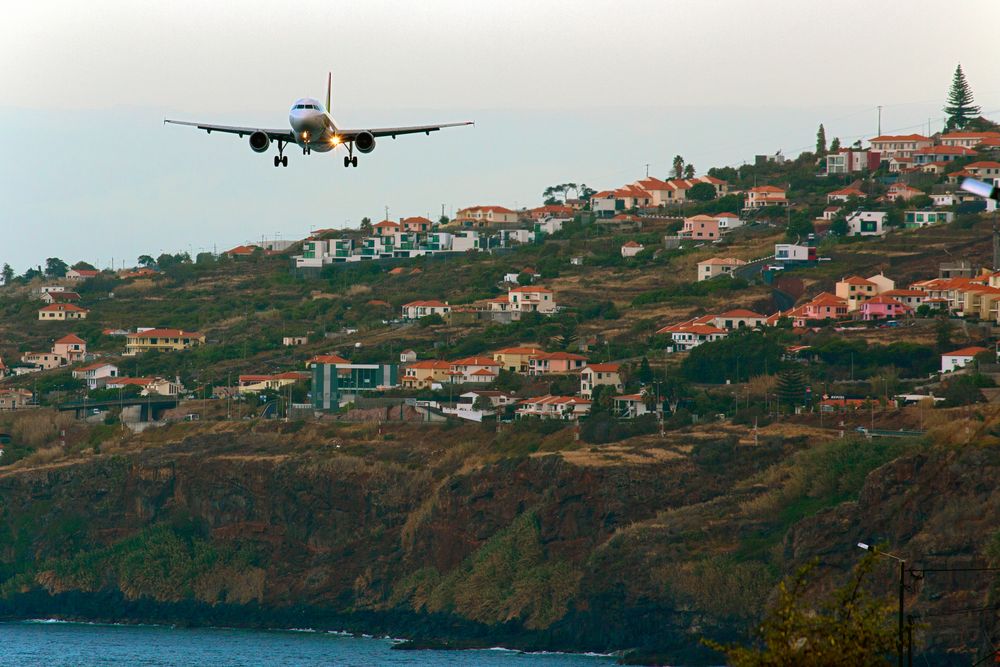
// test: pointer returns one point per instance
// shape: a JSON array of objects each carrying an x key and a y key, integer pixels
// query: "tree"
[
  {"x": 165, "y": 261},
  {"x": 689, "y": 170},
  {"x": 963, "y": 390},
  {"x": 366, "y": 226},
  {"x": 7, "y": 274},
  {"x": 525, "y": 278},
  {"x": 84, "y": 265},
  {"x": 792, "y": 386},
  {"x": 835, "y": 145},
  {"x": 204, "y": 258},
  {"x": 508, "y": 380},
  {"x": 800, "y": 225},
  {"x": 848, "y": 626},
  {"x": 821, "y": 141},
  {"x": 31, "y": 274},
  {"x": 645, "y": 374},
  {"x": 701, "y": 192},
  {"x": 147, "y": 261},
  {"x": 55, "y": 267},
  {"x": 942, "y": 336},
  {"x": 960, "y": 108},
  {"x": 678, "y": 166},
  {"x": 839, "y": 226},
  {"x": 443, "y": 220}
]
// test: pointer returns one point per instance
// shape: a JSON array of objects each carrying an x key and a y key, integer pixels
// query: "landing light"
[{"x": 335, "y": 140}]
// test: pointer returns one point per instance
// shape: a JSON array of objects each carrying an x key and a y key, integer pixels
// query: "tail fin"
[{"x": 329, "y": 81}]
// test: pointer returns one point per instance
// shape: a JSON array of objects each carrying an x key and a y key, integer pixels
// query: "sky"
[{"x": 590, "y": 92}]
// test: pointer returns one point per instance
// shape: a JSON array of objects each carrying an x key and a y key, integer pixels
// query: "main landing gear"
[
  {"x": 350, "y": 160},
  {"x": 281, "y": 158}
]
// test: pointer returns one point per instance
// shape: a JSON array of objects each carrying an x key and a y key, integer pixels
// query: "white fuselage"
[{"x": 312, "y": 126}]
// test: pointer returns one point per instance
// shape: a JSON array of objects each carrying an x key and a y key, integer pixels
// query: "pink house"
[
  {"x": 556, "y": 362},
  {"x": 824, "y": 306},
  {"x": 881, "y": 307},
  {"x": 703, "y": 227}
]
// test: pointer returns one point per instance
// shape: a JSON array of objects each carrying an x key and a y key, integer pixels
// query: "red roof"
[
  {"x": 966, "y": 352},
  {"x": 71, "y": 339},
  {"x": 520, "y": 350},
  {"x": 856, "y": 280},
  {"x": 63, "y": 307},
  {"x": 95, "y": 366},
  {"x": 742, "y": 312},
  {"x": 328, "y": 359},
  {"x": 241, "y": 250},
  {"x": 767, "y": 188},
  {"x": 605, "y": 368},
  {"x": 476, "y": 361},
  {"x": 530, "y": 289},
  {"x": 387, "y": 223},
  {"x": 944, "y": 150},
  {"x": 899, "y": 137},
  {"x": 430, "y": 364},
  {"x": 166, "y": 333},
  {"x": 632, "y": 244},
  {"x": 425, "y": 304},
  {"x": 561, "y": 356}
]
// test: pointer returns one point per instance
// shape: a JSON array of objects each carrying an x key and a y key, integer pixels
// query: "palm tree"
[
  {"x": 678, "y": 166},
  {"x": 689, "y": 170}
]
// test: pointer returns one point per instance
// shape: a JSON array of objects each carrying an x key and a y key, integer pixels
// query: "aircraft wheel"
[
  {"x": 284, "y": 160},
  {"x": 277, "y": 160},
  {"x": 354, "y": 161},
  {"x": 347, "y": 161}
]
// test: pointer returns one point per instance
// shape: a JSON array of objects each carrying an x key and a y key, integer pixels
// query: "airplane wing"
[
  {"x": 274, "y": 135},
  {"x": 349, "y": 135}
]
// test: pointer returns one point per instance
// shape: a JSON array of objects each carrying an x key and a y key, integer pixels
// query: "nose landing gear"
[
  {"x": 281, "y": 158},
  {"x": 350, "y": 160}
]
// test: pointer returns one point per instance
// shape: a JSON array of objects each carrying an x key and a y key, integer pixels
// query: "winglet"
[{"x": 329, "y": 81}]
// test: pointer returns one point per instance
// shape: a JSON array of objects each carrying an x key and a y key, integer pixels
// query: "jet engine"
[
  {"x": 260, "y": 142},
  {"x": 365, "y": 142}
]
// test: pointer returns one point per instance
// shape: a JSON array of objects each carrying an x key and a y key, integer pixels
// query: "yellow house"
[
  {"x": 61, "y": 312},
  {"x": 422, "y": 374},
  {"x": 517, "y": 359},
  {"x": 161, "y": 339}
]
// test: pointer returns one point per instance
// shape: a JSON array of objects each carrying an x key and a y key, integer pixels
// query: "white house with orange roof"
[
  {"x": 164, "y": 340},
  {"x": 899, "y": 145},
  {"x": 844, "y": 194},
  {"x": 44, "y": 360},
  {"x": 718, "y": 266},
  {"x": 600, "y": 375},
  {"x": 969, "y": 139},
  {"x": 631, "y": 249},
  {"x": 531, "y": 299},
  {"x": 940, "y": 154},
  {"x": 983, "y": 170},
  {"x": 426, "y": 374},
  {"x": 902, "y": 191},
  {"x": 568, "y": 408},
  {"x": 81, "y": 274},
  {"x": 911, "y": 297},
  {"x": 952, "y": 361},
  {"x": 485, "y": 216},
  {"x": 474, "y": 370},
  {"x": 692, "y": 333},
  {"x": 149, "y": 386},
  {"x": 97, "y": 374},
  {"x": 414, "y": 310},
  {"x": 556, "y": 362},
  {"x": 60, "y": 312},
  {"x": 728, "y": 221},
  {"x": 72, "y": 347},
  {"x": 763, "y": 196}
]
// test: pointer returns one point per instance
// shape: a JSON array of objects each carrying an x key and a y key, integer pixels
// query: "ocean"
[{"x": 60, "y": 644}]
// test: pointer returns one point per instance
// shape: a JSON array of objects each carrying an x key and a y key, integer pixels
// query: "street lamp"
[{"x": 902, "y": 594}]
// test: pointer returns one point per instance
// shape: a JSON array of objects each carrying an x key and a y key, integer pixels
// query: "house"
[
  {"x": 49, "y": 289},
  {"x": 425, "y": 374},
  {"x": 867, "y": 223},
  {"x": 852, "y": 160},
  {"x": 902, "y": 192},
  {"x": 900, "y": 164},
  {"x": 631, "y": 249},
  {"x": 513, "y": 276},
  {"x": 600, "y": 375},
  {"x": 141, "y": 272},
  {"x": 892, "y": 146},
  {"x": 417, "y": 309},
  {"x": 940, "y": 154},
  {"x": 164, "y": 340},
  {"x": 15, "y": 399},
  {"x": 728, "y": 222},
  {"x": 44, "y": 360},
  {"x": 911, "y": 297},
  {"x": 551, "y": 211},
  {"x": 969, "y": 139},
  {"x": 550, "y": 226},
  {"x": 830, "y": 212},
  {"x": 918, "y": 219},
  {"x": 329, "y": 359},
  {"x": 407, "y": 356},
  {"x": 824, "y": 306},
  {"x": 556, "y": 362},
  {"x": 517, "y": 359},
  {"x": 154, "y": 386},
  {"x": 81, "y": 274},
  {"x": 674, "y": 191},
  {"x": 531, "y": 299},
  {"x": 764, "y": 195},
  {"x": 294, "y": 341},
  {"x": 320, "y": 253},
  {"x": 553, "y": 407},
  {"x": 60, "y": 312},
  {"x": 692, "y": 333},
  {"x": 793, "y": 252},
  {"x": 739, "y": 318},
  {"x": 509, "y": 237},
  {"x": 497, "y": 399},
  {"x": 855, "y": 290},
  {"x": 944, "y": 198},
  {"x": 115, "y": 332},
  {"x": 986, "y": 169},
  {"x": 253, "y": 384},
  {"x": 72, "y": 347},
  {"x": 884, "y": 307},
  {"x": 841, "y": 404},
  {"x": 333, "y": 382},
  {"x": 718, "y": 266},
  {"x": 242, "y": 251},
  {"x": 60, "y": 297},
  {"x": 416, "y": 224},
  {"x": 484, "y": 216},
  {"x": 474, "y": 370},
  {"x": 386, "y": 228},
  {"x": 96, "y": 375},
  {"x": 952, "y": 361},
  {"x": 702, "y": 227},
  {"x": 843, "y": 194},
  {"x": 630, "y": 406}
]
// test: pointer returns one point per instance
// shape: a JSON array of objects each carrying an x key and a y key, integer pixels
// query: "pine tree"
[
  {"x": 7, "y": 274},
  {"x": 835, "y": 145},
  {"x": 821, "y": 141},
  {"x": 678, "y": 166},
  {"x": 960, "y": 108},
  {"x": 791, "y": 386},
  {"x": 689, "y": 170}
]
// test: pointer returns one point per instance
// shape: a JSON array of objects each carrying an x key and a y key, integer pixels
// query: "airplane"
[{"x": 313, "y": 129}]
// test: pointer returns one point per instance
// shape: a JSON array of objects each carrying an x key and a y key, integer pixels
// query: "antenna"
[{"x": 879, "y": 133}]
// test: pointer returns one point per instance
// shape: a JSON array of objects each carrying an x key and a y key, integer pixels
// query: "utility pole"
[
  {"x": 879, "y": 120},
  {"x": 647, "y": 170}
]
